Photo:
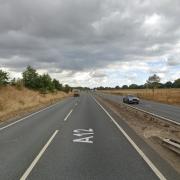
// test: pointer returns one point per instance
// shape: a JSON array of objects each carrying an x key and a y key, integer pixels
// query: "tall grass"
[
  {"x": 169, "y": 96},
  {"x": 14, "y": 100}
]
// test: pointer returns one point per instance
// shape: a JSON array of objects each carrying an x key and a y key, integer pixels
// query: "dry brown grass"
[
  {"x": 14, "y": 101},
  {"x": 169, "y": 96}
]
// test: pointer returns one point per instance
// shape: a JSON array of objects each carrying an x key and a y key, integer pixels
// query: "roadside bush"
[{"x": 4, "y": 77}]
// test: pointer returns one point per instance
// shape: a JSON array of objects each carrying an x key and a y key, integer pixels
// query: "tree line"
[
  {"x": 152, "y": 83},
  {"x": 44, "y": 83},
  {"x": 32, "y": 80}
]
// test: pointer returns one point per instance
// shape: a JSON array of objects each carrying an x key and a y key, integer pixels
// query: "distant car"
[
  {"x": 76, "y": 93},
  {"x": 130, "y": 99}
]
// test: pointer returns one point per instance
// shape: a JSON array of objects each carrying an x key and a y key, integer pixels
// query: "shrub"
[
  {"x": 30, "y": 78},
  {"x": 4, "y": 77}
]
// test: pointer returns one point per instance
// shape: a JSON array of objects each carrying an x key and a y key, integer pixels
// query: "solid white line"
[
  {"x": 28, "y": 171},
  {"x": 146, "y": 159},
  {"x": 68, "y": 115},
  {"x": 26, "y": 117}
]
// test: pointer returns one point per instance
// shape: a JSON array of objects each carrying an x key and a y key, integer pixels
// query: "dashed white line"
[
  {"x": 68, "y": 115},
  {"x": 146, "y": 159},
  {"x": 28, "y": 171}
]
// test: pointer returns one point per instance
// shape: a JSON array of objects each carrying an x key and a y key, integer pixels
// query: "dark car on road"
[{"x": 131, "y": 99}]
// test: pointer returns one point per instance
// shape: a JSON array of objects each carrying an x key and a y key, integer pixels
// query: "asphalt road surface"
[
  {"x": 75, "y": 139},
  {"x": 168, "y": 111}
]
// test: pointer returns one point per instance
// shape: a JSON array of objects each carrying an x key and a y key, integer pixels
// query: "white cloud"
[{"x": 153, "y": 20}]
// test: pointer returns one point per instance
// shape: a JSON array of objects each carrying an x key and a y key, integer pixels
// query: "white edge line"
[
  {"x": 27, "y": 117},
  {"x": 146, "y": 159},
  {"x": 33, "y": 164},
  {"x": 68, "y": 115}
]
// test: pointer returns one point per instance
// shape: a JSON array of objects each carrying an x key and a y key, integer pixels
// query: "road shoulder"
[{"x": 159, "y": 162}]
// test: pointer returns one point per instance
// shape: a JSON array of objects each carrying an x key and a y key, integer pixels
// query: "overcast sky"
[{"x": 92, "y": 42}]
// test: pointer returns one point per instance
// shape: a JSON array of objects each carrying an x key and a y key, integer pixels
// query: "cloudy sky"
[{"x": 92, "y": 42}]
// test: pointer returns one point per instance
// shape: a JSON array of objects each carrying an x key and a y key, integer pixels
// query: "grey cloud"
[
  {"x": 173, "y": 60},
  {"x": 85, "y": 35},
  {"x": 98, "y": 74}
]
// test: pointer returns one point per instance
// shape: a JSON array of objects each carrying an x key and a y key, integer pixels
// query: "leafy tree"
[
  {"x": 141, "y": 86},
  {"x": 153, "y": 81},
  {"x": 124, "y": 87},
  {"x": 117, "y": 87},
  {"x": 67, "y": 88},
  {"x": 45, "y": 83},
  {"x": 57, "y": 85},
  {"x": 101, "y": 88},
  {"x": 30, "y": 78},
  {"x": 4, "y": 77},
  {"x": 133, "y": 86},
  {"x": 168, "y": 84},
  {"x": 176, "y": 83}
]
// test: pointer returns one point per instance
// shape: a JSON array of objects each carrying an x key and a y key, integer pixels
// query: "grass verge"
[{"x": 15, "y": 102}]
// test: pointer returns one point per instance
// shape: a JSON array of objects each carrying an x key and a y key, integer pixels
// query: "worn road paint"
[
  {"x": 86, "y": 134},
  {"x": 84, "y": 140},
  {"x": 83, "y": 130}
]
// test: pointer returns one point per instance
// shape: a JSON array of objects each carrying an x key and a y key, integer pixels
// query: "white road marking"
[
  {"x": 84, "y": 140},
  {"x": 33, "y": 164},
  {"x": 87, "y": 133},
  {"x": 83, "y": 134},
  {"x": 83, "y": 130},
  {"x": 68, "y": 115},
  {"x": 15, "y": 122},
  {"x": 146, "y": 159}
]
